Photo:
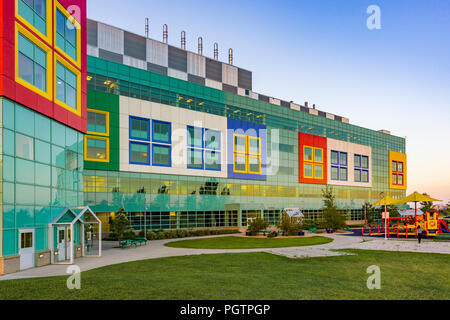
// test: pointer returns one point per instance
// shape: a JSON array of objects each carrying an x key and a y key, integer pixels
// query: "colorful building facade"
[
  {"x": 43, "y": 112},
  {"x": 96, "y": 116}
]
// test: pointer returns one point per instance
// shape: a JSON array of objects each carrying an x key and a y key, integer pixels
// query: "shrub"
[
  {"x": 271, "y": 234},
  {"x": 129, "y": 234},
  {"x": 151, "y": 235},
  {"x": 256, "y": 226},
  {"x": 290, "y": 226}
]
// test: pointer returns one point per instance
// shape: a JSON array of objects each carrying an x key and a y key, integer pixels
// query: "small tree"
[
  {"x": 257, "y": 225},
  {"x": 333, "y": 218},
  {"x": 426, "y": 205},
  {"x": 119, "y": 224},
  {"x": 369, "y": 209},
  {"x": 290, "y": 225}
]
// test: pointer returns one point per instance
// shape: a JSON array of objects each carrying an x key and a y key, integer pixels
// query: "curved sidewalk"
[{"x": 156, "y": 249}]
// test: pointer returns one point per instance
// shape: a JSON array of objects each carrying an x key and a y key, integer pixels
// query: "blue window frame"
[
  {"x": 203, "y": 152},
  {"x": 361, "y": 168},
  {"x": 139, "y": 153},
  {"x": 339, "y": 166},
  {"x": 139, "y": 128},
  {"x": 162, "y": 155},
  {"x": 161, "y": 131},
  {"x": 159, "y": 140}
]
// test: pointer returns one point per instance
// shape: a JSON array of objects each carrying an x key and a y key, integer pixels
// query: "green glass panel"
[
  {"x": 254, "y": 164},
  {"x": 307, "y": 170},
  {"x": 8, "y": 114},
  {"x": 24, "y": 146},
  {"x": 239, "y": 144},
  {"x": 58, "y": 134},
  {"x": 195, "y": 137},
  {"x": 343, "y": 174},
  {"x": 253, "y": 146},
  {"x": 357, "y": 161},
  {"x": 8, "y": 168},
  {"x": 334, "y": 173},
  {"x": 139, "y": 153},
  {"x": 24, "y": 215},
  {"x": 24, "y": 171},
  {"x": 318, "y": 171},
  {"x": 212, "y": 160},
  {"x": 318, "y": 155},
  {"x": 26, "y": 46},
  {"x": 25, "y": 121},
  {"x": 161, "y": 132},
  {"x": 343, "y": 159},
  {"x": 239, "y": 163},
  {"x": 357, "y": 175},
  {"x": 42, "y": 196},
  {"x": 8, "y": 193},
  {"x": 24, "y": 195},
  {"x": 26, "y": 12},
  {"x": 42, "y": 127},
  {"x": 9, "y": 217},
  {"x": 58, "y": 157},
  {"x": 43, "y": 176},
  {"x": 334, "y": 157},
  {"x": 42, "y": 152}
]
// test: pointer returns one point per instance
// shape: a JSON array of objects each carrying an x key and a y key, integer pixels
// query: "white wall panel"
[
  {"x": 92, "y": 51},
  {"x": 177, "y": 74},
  {"x": 110, "y": 38},
  {"x": 275, "y": 101},
  {"x": 157, "y": 53},
  {"x": 213, "y": 84},
  {"x": 196, "y": 64},
  {"x": 180, "y": 119},
  {"x": 133, "y": 62},
  {"x": 351, "y": 149}
]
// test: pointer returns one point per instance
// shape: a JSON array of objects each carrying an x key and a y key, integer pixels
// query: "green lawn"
[
  {"x": 248, "y": 243},
  {"x": 251, "y": 276}
]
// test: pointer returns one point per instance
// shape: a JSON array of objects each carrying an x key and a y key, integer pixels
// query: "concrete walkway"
[{"x": 156, "y": 249}]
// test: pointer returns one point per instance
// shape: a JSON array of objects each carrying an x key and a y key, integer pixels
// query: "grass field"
[
  {"x": 251, "y": 276},
  {"x": 248, "y": 243}
]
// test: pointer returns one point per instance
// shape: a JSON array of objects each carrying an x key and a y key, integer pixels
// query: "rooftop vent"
[
  {"x": 147, "y": 27},
  {"x": 216, "y": 51},
  {"x": 183, "y": 40},
  {"x": 200, "y": 46},
  {"x": 230, "y": 56},
  {"x": 165, "y": 33}
]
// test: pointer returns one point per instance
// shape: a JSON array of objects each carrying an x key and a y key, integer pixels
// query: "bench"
[
  {"x": 141, "y": 241},
  {"x": 127, "y": 243}
]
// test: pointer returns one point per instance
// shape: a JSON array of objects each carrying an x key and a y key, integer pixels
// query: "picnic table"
[
  {"x": 127, "y": 243},
  {"x": 141, "y": 240}
]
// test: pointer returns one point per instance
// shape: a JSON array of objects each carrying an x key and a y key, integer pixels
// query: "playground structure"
[{"x": 407, "y": 226}]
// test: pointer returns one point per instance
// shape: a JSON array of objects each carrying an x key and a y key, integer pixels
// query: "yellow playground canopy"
[
  {"x": 417, "y": 197},
  {"x": 387, "y": 200}
]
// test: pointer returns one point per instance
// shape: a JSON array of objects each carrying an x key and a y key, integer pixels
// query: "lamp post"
[{"x": 385, "y": 214}]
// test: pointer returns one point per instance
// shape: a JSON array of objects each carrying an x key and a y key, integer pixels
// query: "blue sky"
[{"x": 396, "y": 78}]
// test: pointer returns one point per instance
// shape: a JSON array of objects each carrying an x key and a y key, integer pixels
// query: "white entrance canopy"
[
  {"x": 294, "y": 212},
  {"x": 67, "y": 219}
]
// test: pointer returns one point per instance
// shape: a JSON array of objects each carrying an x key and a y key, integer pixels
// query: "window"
[
  {"x": 161, "y": 155},
  {"x": 397, "y": 173},
  {"x": 67, "y": 35},
  {"x": 361, "y": 168},
  {"x": 24, "y": 147},
  {"x": 247, "y": 154},
  {"x": 312, "y": 162},
  {"x": 66, "y": 86},
  {"x": 35, "y": 13},
  {"x": 203, "y": 149},
  {"x": 139, "y": 153},
  {"x": 26, "y": 240},
  {"x": 339, "y": 166},
  {"x": 161, "y": 131},
  {"x": 139, "y": 128},
  {"x": 96, "y": 149},
  {"x": 158, "y": 142},
  {"x": 98, "y": 122},
  {"x": 32, "y": 63}
]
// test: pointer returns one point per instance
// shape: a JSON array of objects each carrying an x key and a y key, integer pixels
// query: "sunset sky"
[{"x": 396, "y": 78}]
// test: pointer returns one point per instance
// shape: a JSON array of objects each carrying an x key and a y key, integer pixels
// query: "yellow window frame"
[
  {"x": 77, "y": 25},
  {"x": 234, "y": 162},
  {"x": 78, "y": 75},
  {"x": 314, "y": 155},
  {"x": 234, "y": 143},
  {"x": 248, "y": 165},
  {"x": 106, "y": 113},
  {"x": 259, "y": 145},
  {"x": 49, "y": 25},
  {"x": 313, "y": 163},
  {"x": 49, "y": 72},
  {"x": 86, "y": 137},
  {"x": 312, "y": 170}
]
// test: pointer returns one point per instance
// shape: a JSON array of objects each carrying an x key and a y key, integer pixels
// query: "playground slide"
[{"x": 443, "y": 226}]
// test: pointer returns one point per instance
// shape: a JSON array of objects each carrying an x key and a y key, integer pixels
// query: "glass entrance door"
[{"x": 64, "y": 243}]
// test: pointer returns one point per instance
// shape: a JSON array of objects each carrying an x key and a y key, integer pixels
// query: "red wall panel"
[
  {"x": 21, "y": 94},
  {"x": 305, "y": 139}
]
